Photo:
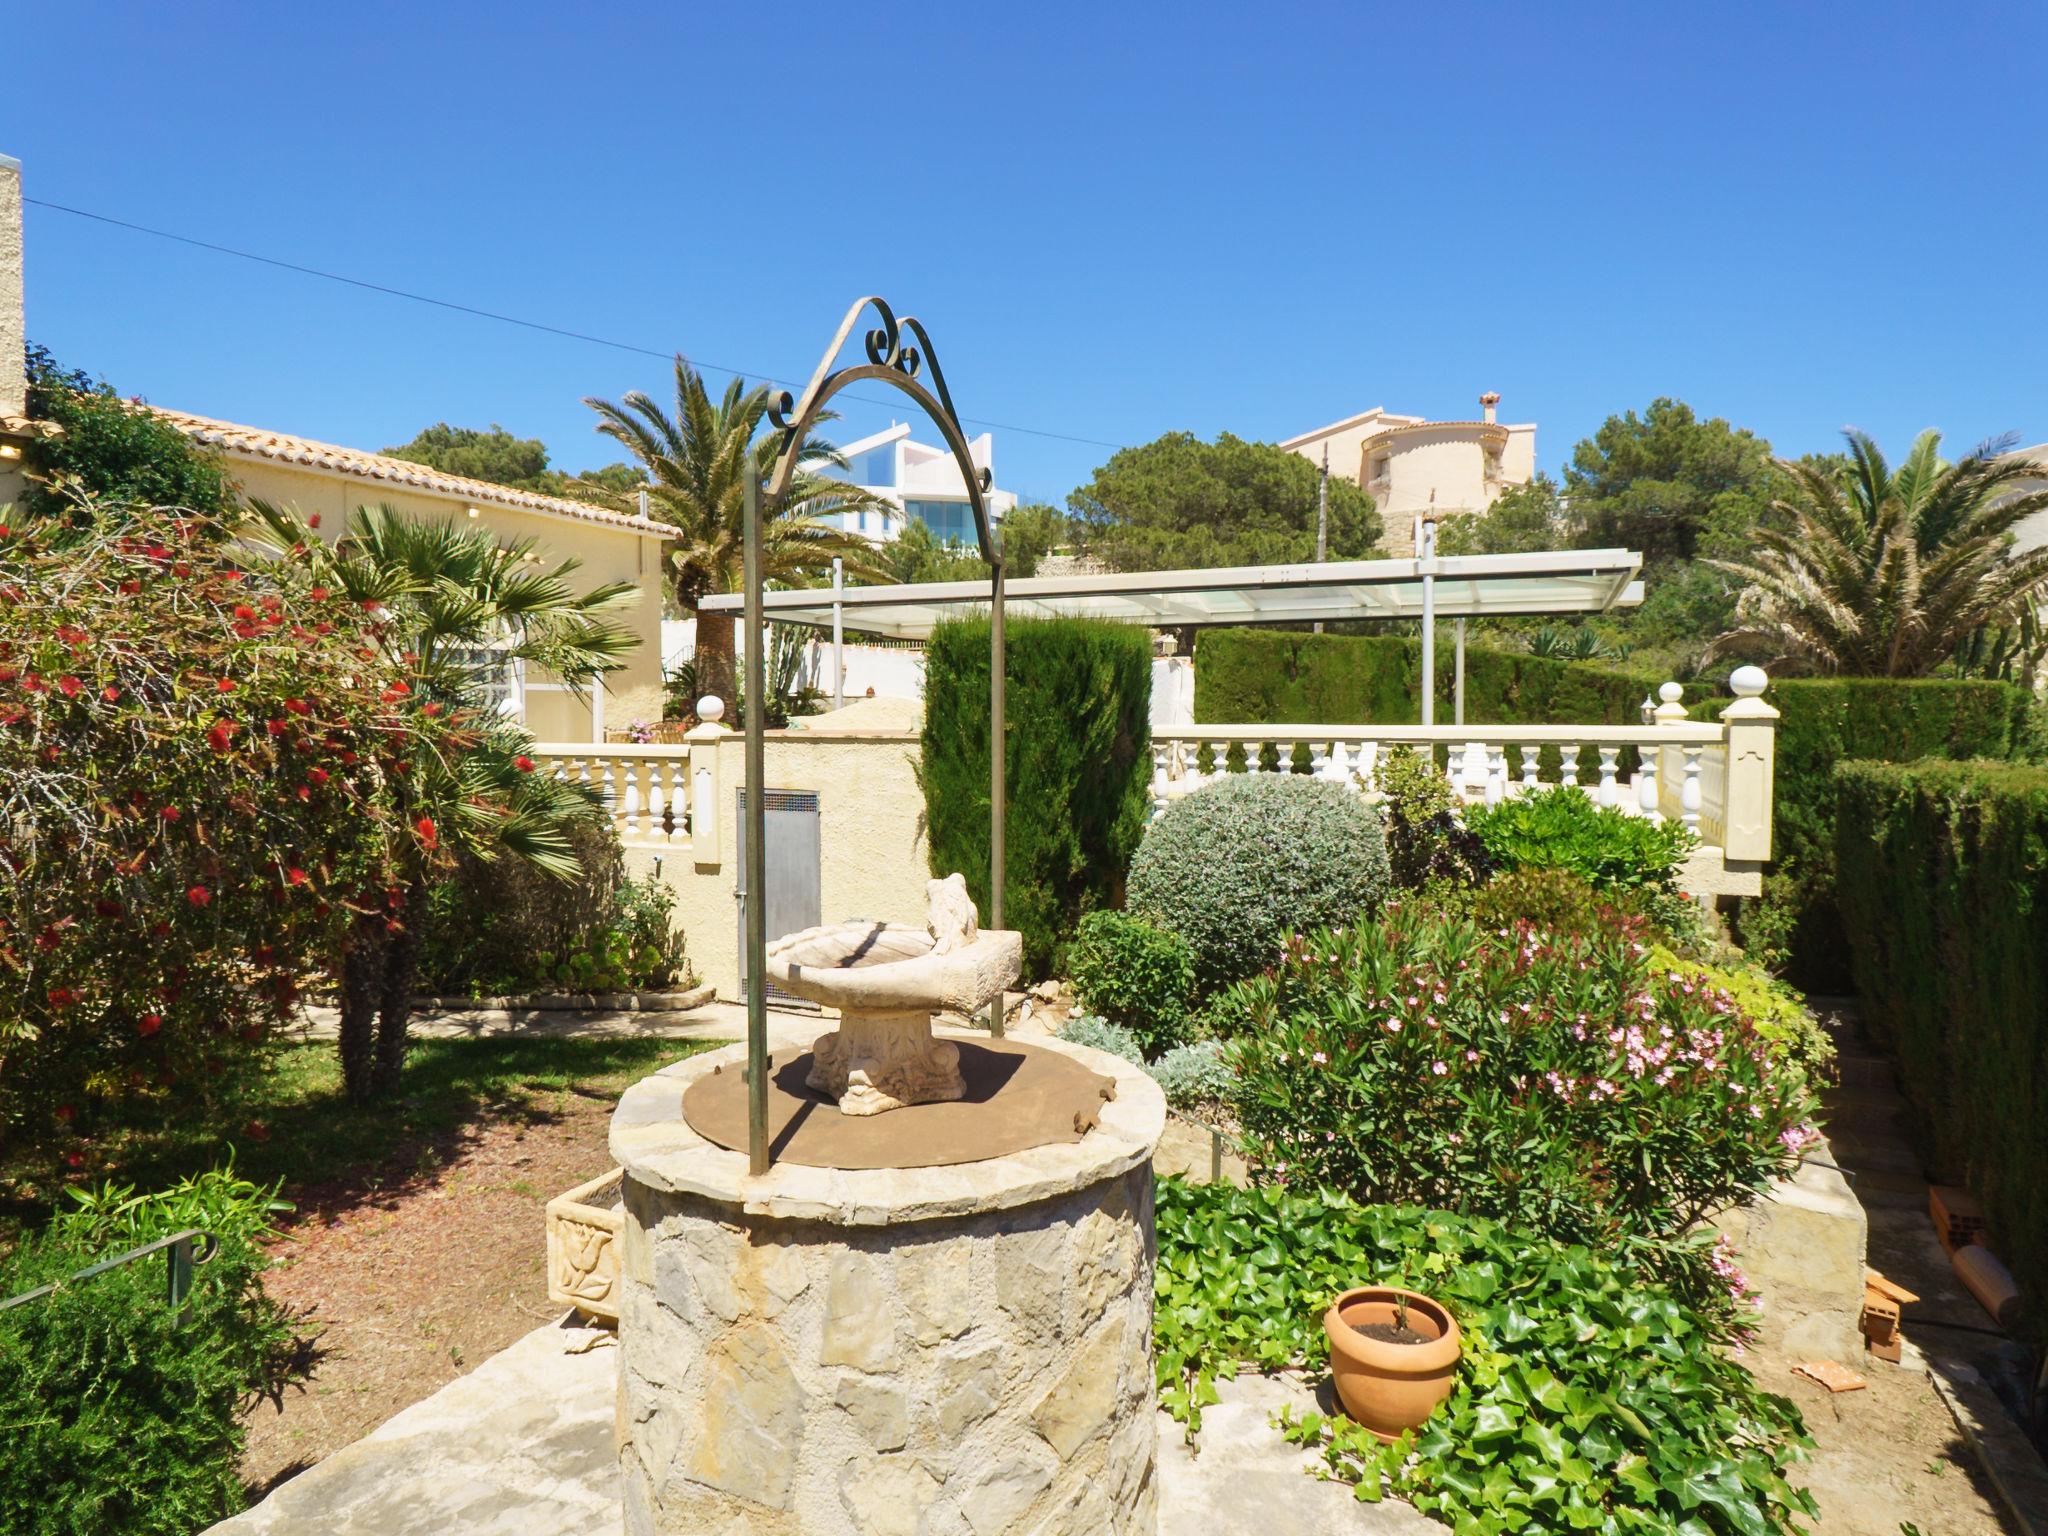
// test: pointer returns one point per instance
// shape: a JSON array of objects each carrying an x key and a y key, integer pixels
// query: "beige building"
[
  {"x": 333, "y": 481},
  {"x": 1413, "y": 466}
]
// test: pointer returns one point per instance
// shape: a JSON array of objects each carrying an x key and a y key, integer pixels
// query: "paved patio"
[{"x": 522, "y": 1446}]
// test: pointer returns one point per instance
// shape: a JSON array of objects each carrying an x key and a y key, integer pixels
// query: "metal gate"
[{"x": 791, "y": 857}]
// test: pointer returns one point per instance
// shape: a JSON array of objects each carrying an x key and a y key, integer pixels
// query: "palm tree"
[
  {"x": 1889, "y": 572},
  {"x": 462, "y": 606},
  {"x": 697, "y": 463}
]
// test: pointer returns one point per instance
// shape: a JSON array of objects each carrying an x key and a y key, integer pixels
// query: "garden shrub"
[
  {"x": 197, "y": 762},
  {"x": 1826, "y": 721},
  {"x": 1099, "y": 1034},
  {"x": 112, "y": 450},
  {"x": 1078, "y": 763},
  {"x": 1428, "y": 844},
  {"x": 1590, "y": 1396},
  {"x": 1555, "y": 1082},
  {"x": 1775, "y": 1006},
  {"x": 1245, "y": 861},
  {"x": 123, "y": 1415},
  {"x": 503, "y": 925},
  {"x": 1944, "y": 894},
  {"x": 1562, "y": 828},
  {"x": 1135, "y": 975},
  {"x": 1194, "y": 1076}
]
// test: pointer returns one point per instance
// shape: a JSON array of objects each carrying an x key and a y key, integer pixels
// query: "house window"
[{"x": 951, "y": 521}]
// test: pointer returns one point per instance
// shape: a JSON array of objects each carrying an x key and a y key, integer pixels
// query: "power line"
[{"x": 504, "y": 319}]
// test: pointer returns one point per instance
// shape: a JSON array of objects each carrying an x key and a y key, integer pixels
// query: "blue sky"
[{"x": 1117, "y": 221}]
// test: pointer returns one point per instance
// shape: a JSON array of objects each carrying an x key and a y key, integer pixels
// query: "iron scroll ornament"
[{"x": 890, "y": 361}]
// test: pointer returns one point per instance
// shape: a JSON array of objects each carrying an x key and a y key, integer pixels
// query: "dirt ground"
[{"x": 416, "y": 1278}]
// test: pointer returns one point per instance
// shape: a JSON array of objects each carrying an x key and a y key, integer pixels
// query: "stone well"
[{"x": 958, "y": 1350}]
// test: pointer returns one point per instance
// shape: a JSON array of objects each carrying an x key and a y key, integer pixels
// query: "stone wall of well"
[{"x": 959, "y": 1376}]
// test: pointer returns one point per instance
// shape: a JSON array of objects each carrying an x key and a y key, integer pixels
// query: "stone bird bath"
[{"x": 887, "y": 980}]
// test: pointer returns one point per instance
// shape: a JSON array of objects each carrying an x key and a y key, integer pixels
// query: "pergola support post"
[{"x": 756, "y": 840}]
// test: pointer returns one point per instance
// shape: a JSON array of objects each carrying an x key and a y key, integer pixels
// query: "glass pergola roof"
[{"x": 1465, "y": 586}]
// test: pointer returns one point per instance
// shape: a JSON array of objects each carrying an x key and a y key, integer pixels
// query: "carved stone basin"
[{"x": 887, "y": 980}]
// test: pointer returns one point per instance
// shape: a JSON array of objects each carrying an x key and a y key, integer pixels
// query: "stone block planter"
[{"x": 583, "y": 1246}]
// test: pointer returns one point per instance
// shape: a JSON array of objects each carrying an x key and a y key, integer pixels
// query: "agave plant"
[
  {"x": 697, "y": 461},
  {"x": 1581, "y": 644},
  {"x": 1890, "y": 571}
]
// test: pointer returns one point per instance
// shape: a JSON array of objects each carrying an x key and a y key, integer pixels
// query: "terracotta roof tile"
[{"x": 282, "y": 448}]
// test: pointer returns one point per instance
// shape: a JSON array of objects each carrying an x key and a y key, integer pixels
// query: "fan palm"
[
  {"x": 462, "y": 606},
  {"x": 696, "y": 462},
  {"x": 1886, "y": 571}
]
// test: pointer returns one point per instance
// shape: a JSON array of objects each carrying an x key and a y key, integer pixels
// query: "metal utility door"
[{"x": 791, "y": 827}]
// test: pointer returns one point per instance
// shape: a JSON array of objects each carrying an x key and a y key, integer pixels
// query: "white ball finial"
[
  {"x": 711, "y": 709},
  {"x": 1748, "y": 682},
  {"x": 1671, "y": 693}
]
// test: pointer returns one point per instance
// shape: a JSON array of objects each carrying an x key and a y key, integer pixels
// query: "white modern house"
[
  {"x": 1414, "y": 467},
  {"x": 921, "y": 482}
]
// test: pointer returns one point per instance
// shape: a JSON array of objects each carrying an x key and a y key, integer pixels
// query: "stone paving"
[{"x": 523, "y": 1446}]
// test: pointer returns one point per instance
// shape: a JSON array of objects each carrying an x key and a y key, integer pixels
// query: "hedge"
[
  {"x": 1279, "y": 677},
  {"x": 1078, "y": 758},
  {"x": 1944, "y": 895},
  {"x": 1827, "y": 721}
]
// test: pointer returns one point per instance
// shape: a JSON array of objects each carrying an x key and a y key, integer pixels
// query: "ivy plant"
[{"x": 1589, "y": 1396}]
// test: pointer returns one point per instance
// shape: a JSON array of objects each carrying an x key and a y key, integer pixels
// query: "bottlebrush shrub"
[
  {"x": 1590, "y": 1395},
  {"x": 1559, "y": 1083},
  {"x": 1562, "y": 828},
  {"x": 196, "y": 773}
]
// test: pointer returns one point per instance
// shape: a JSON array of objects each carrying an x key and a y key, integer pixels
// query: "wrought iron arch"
[{"x": 893, "y": 362}]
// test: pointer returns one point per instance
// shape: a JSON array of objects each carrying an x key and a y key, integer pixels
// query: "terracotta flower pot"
[{"x": 1386, "y": 1386}]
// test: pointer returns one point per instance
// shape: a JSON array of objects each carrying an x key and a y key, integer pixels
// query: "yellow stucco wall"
[{"x": 873, "y": 853}]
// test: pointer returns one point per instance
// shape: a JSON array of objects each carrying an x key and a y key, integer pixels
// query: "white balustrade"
[{"x": 646, "y": 790}]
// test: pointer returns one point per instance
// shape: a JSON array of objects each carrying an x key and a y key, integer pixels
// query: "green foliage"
[
  {"x": 504, "y": 926},
  {"x": 1178, "y": 502},
  {"x": 111, "y": 450},
  {"x": 1776, "y": 1007},
  {"x": 1563, "y": 828},
  {"x": 1428, "y": 844},
  {"x": 1553, "y": 1081},
  {"x": 1244, "y": 862},
  {"x": 1825, "y": 721},
  {"x": 1030, "y": 532},
  {"x": 918, "y": 554},
  {"x": 1077, "y": 761},
  {"x": 123, "y": 1414},
  {"x": 1099, "y": 1034},
  {"x": 1524, "y": 518},
  {"x": 1944, "y": 895},
  {"x": 1552, "y": 900},
  {"x": 1581, "y": 644},
  {"x": 1134, "y": 974},
  {"x": 502, "y": 459},
  {"x": 1589, "y": 1396},
  {"x": 201, "y": 771},
  {"x": 1194, "y": 1076}
]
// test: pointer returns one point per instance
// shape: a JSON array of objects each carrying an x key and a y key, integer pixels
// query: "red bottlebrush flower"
[
  {"x": 199, "y": 895},
  {"x": 72, "y": 635},
  {"x": 298, "y": 706},
  {"x": 180, "y": 568},
  {"x": 313, "y": 521},
  {"x": 429, "y": 837},
  {"x": 430, "y": 710},
  {"x": 107, "y": 908},
  {"x": 222, "y": 735},
  {"x": 305, "y": 793},
  {"x": 149, "y": 1024},
  {"x": 70, "y": 686},
  {"x": 277, "y": 727},
  {"x": 33, "y": 684},
  {"x": 295, "y": 876},
  {"x": 9, "y": 674},
  {"x": 319, "y": 594},
  {"x": 230, "y": 575},
  {"x": 131, "y": 586},
  {"x": 394, "y": 693},
  {"x": 170, "y": 813},
  {"x": 245, "y": 613},
  {"x": 323, "y": 628},
  {"x": 223, "y": 685},
  {"x": 350, "y": 758},
  {"x": 523, "y": 763},
  {"x": 270, "y": 602},
  {"x": 66, "y": 1113},
  {"x": 246, "y": 630},
  {"x": 110, "y": 693},
  {"x": 318, "y": 775},
  {"x": 62, "y": 997}
]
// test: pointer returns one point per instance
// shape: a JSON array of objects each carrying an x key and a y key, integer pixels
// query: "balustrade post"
[
  {"x": 1750, "y": 727},
  {"x": 1689, "y": 791},
  {"x": 1496, "y": 772},
  {"x": 1610, "y": 758},
  {"x": 1646, "y": 782},
  {"x": 1531, "y": 762},
  {"x": 705, "y": 781}
]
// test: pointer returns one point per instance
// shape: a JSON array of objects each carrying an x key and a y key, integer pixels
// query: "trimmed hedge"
[
  {"x": 1944, "y": 895},
  {"x": 1078, "y": 759},
  {"x": 1827, "y": 721},
  {"x": 1278, "y": 677}
]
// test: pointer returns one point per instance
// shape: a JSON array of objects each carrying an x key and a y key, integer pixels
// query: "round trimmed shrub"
[{"x": 1242, "y": 863}]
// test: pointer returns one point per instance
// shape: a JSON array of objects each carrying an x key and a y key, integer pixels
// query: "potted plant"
[{"x": 1394, "y": 1354}]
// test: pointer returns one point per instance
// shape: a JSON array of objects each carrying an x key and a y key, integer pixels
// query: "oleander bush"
[
  {"x": 1246, "y": 861},
  {"x": 1556, "y": 1082},
  {"x": 1563, "y": 828},
  {"x": 123, "y": 1414},
  {"x": 1590, "y": 1396},
  {"x": 1078, "y": 765},
  {"x": 1775, "y": 1006},
  {"x": 1135, "y": 975},
  {"x": 1944, "y": 894},
  {"x": 503, "y": 926}
]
